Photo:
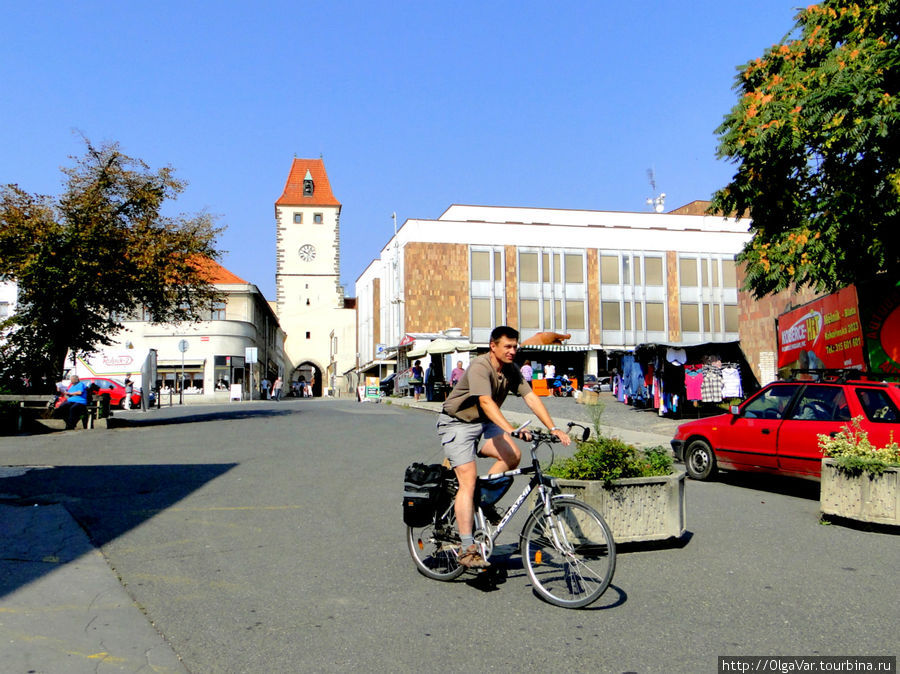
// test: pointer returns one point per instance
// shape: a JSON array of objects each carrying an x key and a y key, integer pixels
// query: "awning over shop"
[
  {"x": 188, "y": 364},
  {"x": 377, "y": 363},
  {"x": 556, "y": 347}
]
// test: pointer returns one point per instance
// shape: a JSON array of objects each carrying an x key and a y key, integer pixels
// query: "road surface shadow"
[
  {"x": 774, "y": 484},
  {"x": 106, "y": 501},
  {"x": 163, "y": 419}
]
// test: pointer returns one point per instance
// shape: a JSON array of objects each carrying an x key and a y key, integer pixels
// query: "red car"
[
  {"x": 114, "y": 389},
  {"x": 776, "y": 431}
]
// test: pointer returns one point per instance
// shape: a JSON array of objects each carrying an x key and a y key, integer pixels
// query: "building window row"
[
  {"x": 633, "y": 289},
  {"x": 318, "y": 218}
]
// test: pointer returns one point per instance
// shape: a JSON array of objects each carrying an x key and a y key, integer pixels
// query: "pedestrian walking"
[
  {"x": 276, "y": 389},
  {"x": 129, "y": 391}
]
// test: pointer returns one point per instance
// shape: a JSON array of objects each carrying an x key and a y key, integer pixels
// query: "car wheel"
[{"x": 699, "y": 460}]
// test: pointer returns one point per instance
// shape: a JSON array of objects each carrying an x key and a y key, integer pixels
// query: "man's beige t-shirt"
[{"x": 481, "y": 379}]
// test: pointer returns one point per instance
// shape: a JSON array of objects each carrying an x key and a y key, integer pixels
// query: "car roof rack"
[{"x": 839, "y": 375}]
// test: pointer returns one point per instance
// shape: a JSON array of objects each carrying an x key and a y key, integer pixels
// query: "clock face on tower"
[{"x": 307, "y": 252}]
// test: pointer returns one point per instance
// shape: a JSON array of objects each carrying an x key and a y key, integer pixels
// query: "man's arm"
[
  {"x": 536, "y": 406},
  {"x": 492, "y": 411}
]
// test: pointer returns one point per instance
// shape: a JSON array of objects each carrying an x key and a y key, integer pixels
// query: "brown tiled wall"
[
  {"x": 436, "y": 287},
  {"x": 674, "y": 307},
  {"x": 512, "y": 285},
  {"x": 593, "y": 308},
  {"x": 757, "y": 318},
  {"x": 376, "y": 313}
]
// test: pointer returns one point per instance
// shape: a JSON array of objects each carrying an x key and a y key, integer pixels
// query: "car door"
[
  {"x": 749, "y": 439},
  {"x": 879, "y": 411},
  {"x": 108, "y": 387},
  {"x": 819, "y": 409}
]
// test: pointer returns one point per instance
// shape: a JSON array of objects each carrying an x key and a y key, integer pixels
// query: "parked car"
[
  {"x": 387, "y": 384},
  {"x": 598, "y": 383},
  {"x": 776, "y": 431},
  {"x": 114, "y": 389}
]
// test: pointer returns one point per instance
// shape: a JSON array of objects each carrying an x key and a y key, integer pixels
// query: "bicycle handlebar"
[{"x": 538, "y": 436}]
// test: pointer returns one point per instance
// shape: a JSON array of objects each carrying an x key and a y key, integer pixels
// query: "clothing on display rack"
[{"x": 693, "y": 381}]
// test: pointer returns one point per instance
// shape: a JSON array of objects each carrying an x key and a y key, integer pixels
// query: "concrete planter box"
[
  {"x": 865, "y": 497},
  {"x": 636, "y": 508}
]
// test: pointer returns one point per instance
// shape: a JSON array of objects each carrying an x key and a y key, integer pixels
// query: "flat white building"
[{"x": 611, "y": 280}]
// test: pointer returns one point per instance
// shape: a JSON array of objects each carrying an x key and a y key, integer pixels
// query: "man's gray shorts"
[{"x": 459, "y": 439}]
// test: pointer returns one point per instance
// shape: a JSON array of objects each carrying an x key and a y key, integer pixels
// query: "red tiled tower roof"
[{"x": 293, "y": 189}]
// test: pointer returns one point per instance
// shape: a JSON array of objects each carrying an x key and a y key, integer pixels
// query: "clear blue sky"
[{"x": 413, "y": 105}]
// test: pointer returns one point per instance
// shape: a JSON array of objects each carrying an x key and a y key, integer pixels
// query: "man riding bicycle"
[{"x": 472, "y": 410}]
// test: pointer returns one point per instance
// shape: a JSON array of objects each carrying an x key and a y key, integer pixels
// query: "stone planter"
[
  {"x": 865, "y": 497},
  {"x": 636, "y": 508}
]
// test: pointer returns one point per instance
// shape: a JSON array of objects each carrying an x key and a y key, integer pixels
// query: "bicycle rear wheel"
[
  {"x": 434, "y": 548},
  {"x": 570, "y": 555}
]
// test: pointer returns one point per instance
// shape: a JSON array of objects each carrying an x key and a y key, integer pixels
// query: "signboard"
[
  {"x": 251, "y": 354},
  {"x": 881, "y": 321},
  {"x": 372, "y": 387},
  {"x": 236, "y": 392},
  {"x": 826, "y": 333}
]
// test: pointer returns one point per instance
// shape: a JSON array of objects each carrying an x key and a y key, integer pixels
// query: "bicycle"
[{"x": 566, "y": 546}]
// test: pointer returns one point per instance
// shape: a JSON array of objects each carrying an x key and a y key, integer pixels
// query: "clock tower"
[{"x": 310, "y": 299}]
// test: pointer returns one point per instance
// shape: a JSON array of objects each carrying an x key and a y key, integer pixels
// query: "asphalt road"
[{"x": 267, "y": 537}]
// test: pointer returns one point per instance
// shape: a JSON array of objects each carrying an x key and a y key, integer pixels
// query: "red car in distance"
[
  {"x": 776, "y": 431},
  {"x": 114, "y": 389}
]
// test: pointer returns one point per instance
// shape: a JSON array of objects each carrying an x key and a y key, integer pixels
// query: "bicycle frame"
[{"x": 544, "y": 486}]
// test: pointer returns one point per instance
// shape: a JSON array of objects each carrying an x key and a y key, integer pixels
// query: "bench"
[{"x": 41, "y": 406}]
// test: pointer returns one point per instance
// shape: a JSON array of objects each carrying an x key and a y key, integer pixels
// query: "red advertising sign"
[{"x": 825, "y": 333}]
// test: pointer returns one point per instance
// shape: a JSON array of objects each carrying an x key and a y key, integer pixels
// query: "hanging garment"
[
  {"x": 731, "y": 383},
  {"x": 676, "y": 356},
  {"x": 711, "y": 389},
  {"x": 693, "y": 382}
]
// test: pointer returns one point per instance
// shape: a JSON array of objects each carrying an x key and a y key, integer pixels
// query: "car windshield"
[{"x": 770, "y": 403}]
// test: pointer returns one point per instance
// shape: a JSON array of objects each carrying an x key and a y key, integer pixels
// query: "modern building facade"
[
  {"x": 310, "y": 303},
  {"x": 610, "y": 280}
]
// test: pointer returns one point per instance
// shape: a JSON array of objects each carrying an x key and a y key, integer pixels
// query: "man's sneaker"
[
  {"x": 471, "y": 558},
  {"x": 491, "y": 514}
]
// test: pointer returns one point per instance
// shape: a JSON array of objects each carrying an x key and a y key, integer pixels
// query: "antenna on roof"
[{"x": 658, "y": 203}]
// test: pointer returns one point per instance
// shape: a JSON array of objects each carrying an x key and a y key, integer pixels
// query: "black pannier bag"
[{"x": 422, "y": 487}]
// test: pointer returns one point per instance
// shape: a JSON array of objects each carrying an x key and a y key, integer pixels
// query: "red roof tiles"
[
  {"x": 293, "y": 189},
  {"x": 215, "y": 272}
]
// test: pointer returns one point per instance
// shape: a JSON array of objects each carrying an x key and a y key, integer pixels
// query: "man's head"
[
  {"x": 459, "y": 364},
  {"x": 74, "y": 379},
  {"x": 504, "y": 343}
]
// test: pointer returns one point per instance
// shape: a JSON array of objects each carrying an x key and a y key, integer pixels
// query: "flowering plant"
[{"x": 854, "y": 453}]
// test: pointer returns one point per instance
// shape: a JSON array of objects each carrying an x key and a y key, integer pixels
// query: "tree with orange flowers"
[
  {"x": 815, "y": 135},
  {"x": 101, "y": 252}
]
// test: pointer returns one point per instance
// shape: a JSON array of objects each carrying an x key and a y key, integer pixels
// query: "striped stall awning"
[{"x": 555, "y": 347}]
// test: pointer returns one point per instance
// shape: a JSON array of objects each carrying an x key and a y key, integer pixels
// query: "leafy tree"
[
  {"x": 99, "y": 253},
  {"x": 816, "y": 136}
]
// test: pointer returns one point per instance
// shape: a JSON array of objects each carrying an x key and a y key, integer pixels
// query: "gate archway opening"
[{"x": 309, "y": 373}]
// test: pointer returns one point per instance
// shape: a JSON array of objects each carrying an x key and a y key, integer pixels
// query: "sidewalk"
[
  {"x": 62, "y": 609},
  {"x": 623, "y": 422}
]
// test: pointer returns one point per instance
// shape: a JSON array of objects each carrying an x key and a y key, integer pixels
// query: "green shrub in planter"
[
  {"x": 608, "y": 459},
  {"x": 854, "y": 454}
]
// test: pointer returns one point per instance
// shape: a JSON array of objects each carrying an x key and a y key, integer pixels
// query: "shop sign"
[
  {"x": 372, "y": 389},
  {"x": 882, "y": 329},
  {"x": 826, "y": 333}
]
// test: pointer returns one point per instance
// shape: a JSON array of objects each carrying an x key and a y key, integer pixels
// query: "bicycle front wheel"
[
  {"x": 434, "y": 549},
  {"x": 570, "y": 555}
]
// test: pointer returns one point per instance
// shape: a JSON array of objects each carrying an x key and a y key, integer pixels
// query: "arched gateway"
[{"x": 308, "y": 372}]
